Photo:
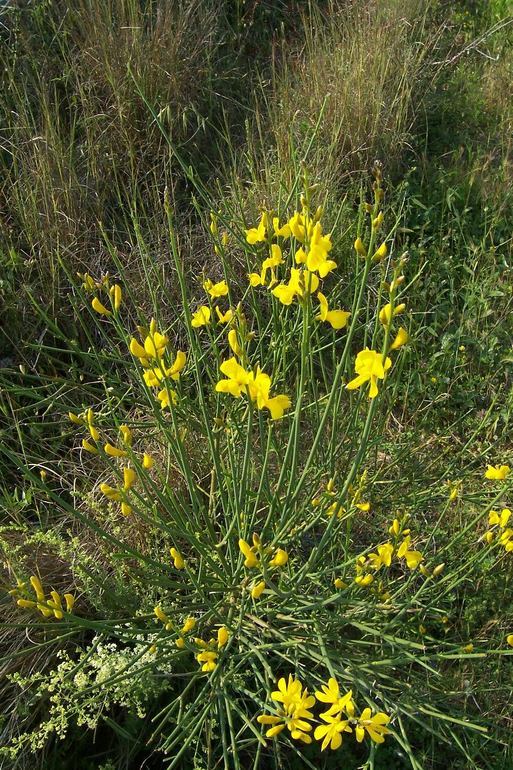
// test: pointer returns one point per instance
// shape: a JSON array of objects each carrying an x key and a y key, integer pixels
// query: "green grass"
[{"x": 124, "y": 124}]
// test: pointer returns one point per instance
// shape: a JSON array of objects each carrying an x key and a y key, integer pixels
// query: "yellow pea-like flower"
[
  {"x": 224, "y": 318},
  {"x": 38, "y": 588},
  {"x": 280, "y": 558},
  {"x": 360, "y": 248},
  {"x": 380, "y": 253},
  {"x": 126, "y": 508},
  {"x": 201, "y": 317},
  {"x": 222, "y": 636},
  {"x": 234, "y": 343},
  {"x": 113, "y": 451},
  {"x": 251, "y": 557},
  {"x": 126, "y": 434},
  {"x": 129, "y": 477},
  {"x": 116, "y": 296},
  {"x": 99, "y": 308},
  {"x": 89, "y": 447},
  {"x": 402, "y": 337},
  {"x": 177, "y": 557},
  {"x": 189, "y": 625},
  {"x": 258, "y": 589},
  {"x": 147, "y": 461}
]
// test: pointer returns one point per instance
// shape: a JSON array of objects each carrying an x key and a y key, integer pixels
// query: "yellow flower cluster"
[
  {"x": 48, "y": 607},
  {"x": 119, "y": 494},
  {"x": 367, "y": 566},
  {"x": 87, "y": 419},
  {"x": 151, "y": 355},
  {"x": 115, "y": 494},
  {"x": 254, "y": 384},
  {"x": 209, "y": 651},
  {"x": 188, "y": 625},
  {"x": 202, "y": 316},
  {"x": 114, "y": 292},
  {"x": 260, "y": 557},
  {"x": 499, "y": 530},
  {"x": 312, "y": 256},
  {"x": 295, "y": 714},
  {"x": 497, "y": 472},
  {"x": 334, "y": 508}
]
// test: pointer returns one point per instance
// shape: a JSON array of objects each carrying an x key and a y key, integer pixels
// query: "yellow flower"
[
  {"x": 126, "y": 508},
  {"x": 506, "y": 539},
  {"x": 201, "y": 317},
  {"x": 386, "y": 314},
  {"x": 126, "y": 434},
  {"x": 254, "y": 280},
  {"x": 110, "y": 492},
  {"x": 258, "y": 590},
  {"x": 413, "y": 558},
  {"x": 360, "y": 248},
  {"x": 224, "y": 318},
  {"x": 369, "y": 366},
  {"x": 301, "y": 283},
  {"x": 222, "y": 636},
  {"x": 89, "y": 420},
  {"x": 237, "y": 378},
  {"x": 89, "y": 447},
  {"x": 209, "y": 660},
  {"x": 337, "y": 318},
  {"x": 377, "y": 221},
  {"x": 167, "y": 397},
  {"x": 395, "y": 527},
  {"x": 233, "y": 342},
  {"x": 375, "y": 726},
  {"x": 497, "y": 472},
  {"x": 509, "y": 640},
  {"x": 216, "y": 290},
  {"x": 257, "y": 234},
  {"x": 189, "y": 625},
  {"x": 70, "y": 602},
  {"x": 129, "y": 477},
  {"x": 283, "y": 231},
  {"x": 113, "y": 451},
  {"x": 116, "y": 296},
  {"x": 297, "y": 227},
  {"x": 380, "y": 253},
  {"x": 317, "y": 256},
  {"x": 500, "y": 519},
  {"x": 279, "y": 559},
  {"x": 383, "y": 557},
  {"x": 250, "y": 553},
  {"x": 330, "y": 693},
  {"x": 147, "y": 461},
  {"x": 330, "y": 733},
  {"x": 177, "y": 557},
  {"x": 271, "y": 263},
  {"x": 38, "y": 588},
  {"x": 89, "y": 284},
  {"x": 161, "y": 615},
  {"x": 294, "y": 712},
  {"x": 153, "y": 377},
  {"x": 402, "y": 337},
  {"x": 99, "y": 308}
]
